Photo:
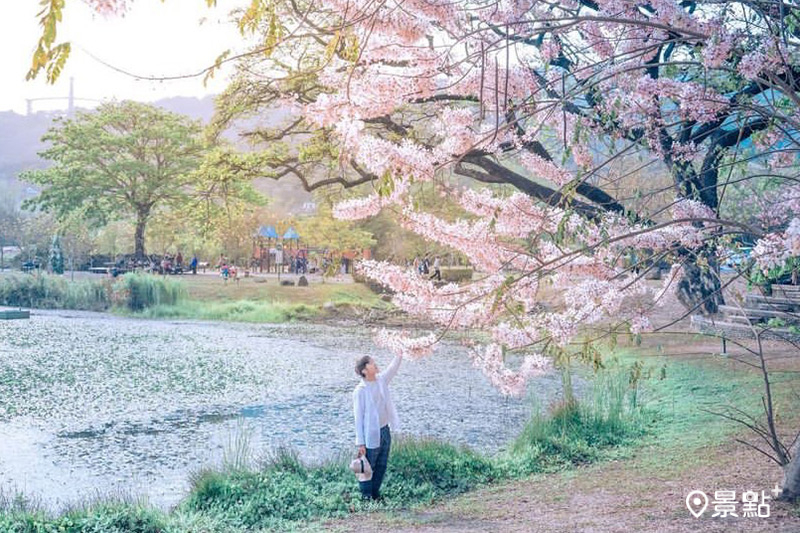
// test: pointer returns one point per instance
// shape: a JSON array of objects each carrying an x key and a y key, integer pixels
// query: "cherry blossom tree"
[
  {"x": 550, "y": 100},
  {"x": 599, "y": 131},
  {"x": 552, "y": 106}
]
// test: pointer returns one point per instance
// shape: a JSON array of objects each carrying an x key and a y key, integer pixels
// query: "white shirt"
[
  {"x": 373, "y": 407},
  {"x": 376, "y": 397}
]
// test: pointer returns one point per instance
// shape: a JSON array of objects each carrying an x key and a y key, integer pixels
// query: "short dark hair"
[{"x": 361, "y": 364}]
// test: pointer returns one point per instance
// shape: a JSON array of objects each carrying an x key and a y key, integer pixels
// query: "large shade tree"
[{"x": 122, "y": 161}]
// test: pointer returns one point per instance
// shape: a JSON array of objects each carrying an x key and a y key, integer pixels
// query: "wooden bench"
[
  {"x": 737, "y": 330},
  {"x": 752, "y": 315},
  {"x": 770, "y": 302},
  {"x": 790, "y": 292}
]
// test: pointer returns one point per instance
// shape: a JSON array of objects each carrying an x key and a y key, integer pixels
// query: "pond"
[{"x": 93, "y": 405}]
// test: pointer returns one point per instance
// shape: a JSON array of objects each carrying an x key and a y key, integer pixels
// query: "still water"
[{"x": 96, "y": 405}]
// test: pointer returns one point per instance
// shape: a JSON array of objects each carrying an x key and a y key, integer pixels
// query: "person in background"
[{"x": 437, "y": 269}]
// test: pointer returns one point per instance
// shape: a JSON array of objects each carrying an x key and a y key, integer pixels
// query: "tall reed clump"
[
  {"x": 45, "y": 291},
  {"x": 581, "y": 431},
  {"x": 135, "y": 292}
]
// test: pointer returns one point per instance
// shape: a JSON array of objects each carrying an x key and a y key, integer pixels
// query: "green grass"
[
  {"x": 585, "y": 431},
  {"x": 136, "y": 292},
  {"x": 236, "y": 311},
  {"x": 190, "y": 297}
]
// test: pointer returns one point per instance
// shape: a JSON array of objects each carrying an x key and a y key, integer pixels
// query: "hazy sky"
[{"x": 152, "y": 39}]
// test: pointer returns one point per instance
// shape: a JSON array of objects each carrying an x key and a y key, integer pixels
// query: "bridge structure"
[{"x": 71, "y": 99}]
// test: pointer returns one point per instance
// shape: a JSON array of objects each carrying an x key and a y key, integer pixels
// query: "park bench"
[{"x": 777, "y": 316}]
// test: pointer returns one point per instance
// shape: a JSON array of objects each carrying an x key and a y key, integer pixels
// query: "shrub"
[
  {"x": 426, "y": 470},
  {"x": 139, "y": 291},
  {"x": 105, "y": 518},
  {"x": 456, "y": 274}
]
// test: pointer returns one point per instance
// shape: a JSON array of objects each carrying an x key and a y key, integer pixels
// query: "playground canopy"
[
  {"x": 291, "y": 234},
  {"x": 268, "y": 232}
]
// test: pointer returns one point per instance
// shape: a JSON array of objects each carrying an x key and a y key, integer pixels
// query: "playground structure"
[{"x": 274, "y": 253}]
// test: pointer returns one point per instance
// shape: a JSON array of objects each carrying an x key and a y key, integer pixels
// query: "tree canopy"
[
  {"x": 601, "y": 129},
  {"x": 122, "y": 161}
]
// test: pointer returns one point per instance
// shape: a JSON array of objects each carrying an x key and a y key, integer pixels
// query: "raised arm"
[{"x": 391, "y": 370}]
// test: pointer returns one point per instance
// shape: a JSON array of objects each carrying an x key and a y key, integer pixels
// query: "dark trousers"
[{"x": 378, "y": 458}]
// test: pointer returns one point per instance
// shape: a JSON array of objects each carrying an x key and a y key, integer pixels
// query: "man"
[
  {"x": 374, "y": 414},
  {"x": 437, "y": 272}
]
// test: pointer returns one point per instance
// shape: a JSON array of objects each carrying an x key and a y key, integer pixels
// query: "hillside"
[{"x": 20, "y": 141}]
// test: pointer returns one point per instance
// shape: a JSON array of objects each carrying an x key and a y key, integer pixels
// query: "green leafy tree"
[
  {"x": 123, "y": 161},
  {"x": 324, "y": 231}
]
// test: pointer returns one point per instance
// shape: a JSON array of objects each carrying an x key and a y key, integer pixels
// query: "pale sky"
[{"x": 152, "y": 39}]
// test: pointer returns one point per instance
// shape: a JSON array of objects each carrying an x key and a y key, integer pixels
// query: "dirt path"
[{"x": 611, "y": 497}]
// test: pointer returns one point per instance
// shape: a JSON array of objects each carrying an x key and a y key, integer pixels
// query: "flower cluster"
[
  {"x": 775, "y": 248},
  {"x": 490, "y": 362},
  {"x": 400, "y": 343}
]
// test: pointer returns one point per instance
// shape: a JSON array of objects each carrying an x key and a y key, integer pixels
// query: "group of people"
[
  {"x": 226, "y": 270},
  {"x": 298, "y": 265},
  {"x": 173, "y": 264},
  {"x": 423, "y": 267}
]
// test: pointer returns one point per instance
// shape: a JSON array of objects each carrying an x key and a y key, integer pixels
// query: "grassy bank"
[
  {"x": 283, "y": 493},
  {"x": 658, "y": 412},
  {"x": 191, "y": 297}
]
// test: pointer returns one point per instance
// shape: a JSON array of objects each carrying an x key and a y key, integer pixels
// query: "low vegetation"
[
  {"x": 283, "y": 493},
  {"x": 54, "y": 292},
  {"x": 190, "y": 297}
]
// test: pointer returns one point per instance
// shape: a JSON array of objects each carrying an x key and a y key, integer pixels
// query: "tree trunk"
[
  {"x": 791, "y": 476},
  {"x": 699, "y": 288},
  {"x": 141, "y": 224}
]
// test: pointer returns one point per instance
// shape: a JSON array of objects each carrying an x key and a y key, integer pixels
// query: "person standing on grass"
[{"x": 374, "y": 414}]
